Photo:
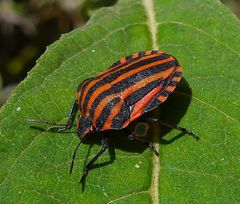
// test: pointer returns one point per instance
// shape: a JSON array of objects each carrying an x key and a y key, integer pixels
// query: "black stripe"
[
  {"x": 119, "y": 120},
  {"x": 141, "y": 54},
  {"x": 83, "y": 85},
  {"x": 152, "y": 105},
  {"x": 113, "y": 76},
  {"x": 154, "y": 51},
  {"x": 115, "y": 64},
  {"x": 150, "y": 71},
  {"x": 128, "y": 58},
  {"x": 84, "y": 125},
  {"x": 129, "y": 81},
  {"x": 156, "y": 102},
  {"x": 141, "y": 92},
  {"x": 178, "y": 74},
  {"x": 165, "y": 92},
  {"x": 138, "y": 64},
  {"x": 106, "y": 112},
  {"x": 90, "y": 91},
  {"x": 173, "y": 83}
]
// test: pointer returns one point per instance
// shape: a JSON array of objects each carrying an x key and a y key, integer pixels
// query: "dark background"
[{"x": 27, "y": 27}]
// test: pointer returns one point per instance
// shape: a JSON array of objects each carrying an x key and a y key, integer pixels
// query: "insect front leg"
[
  {"x": 105, "y": 145},
  {"x": 70, "y": 120},
  {"x": 57, "y": 127}
]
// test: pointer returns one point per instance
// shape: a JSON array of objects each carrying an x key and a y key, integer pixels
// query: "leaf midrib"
[{"x": 152, "y": 24}]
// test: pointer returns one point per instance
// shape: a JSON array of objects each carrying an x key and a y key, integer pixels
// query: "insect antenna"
[{"x": 74, "y": 155}]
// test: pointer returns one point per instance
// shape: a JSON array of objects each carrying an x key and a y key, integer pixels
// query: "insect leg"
[
  {"x": 57, "y": 127},
  {"x": 150, "y": 145},
  {"x": 70, "y": 120},
  {"x": 89, "y": 165},
  {"x": 184, "y": 130}
]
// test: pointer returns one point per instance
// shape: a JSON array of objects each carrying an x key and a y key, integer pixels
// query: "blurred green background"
[{"x": 27, "y": 27}]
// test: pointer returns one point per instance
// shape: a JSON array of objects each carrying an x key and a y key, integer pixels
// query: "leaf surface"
[{"x": 204, "y": 37}]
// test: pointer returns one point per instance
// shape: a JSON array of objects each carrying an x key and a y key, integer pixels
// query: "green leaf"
[{"x": 204, "y": 37}]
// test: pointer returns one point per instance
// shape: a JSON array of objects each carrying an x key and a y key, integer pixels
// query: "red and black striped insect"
[{"x": 132, "y": 86}]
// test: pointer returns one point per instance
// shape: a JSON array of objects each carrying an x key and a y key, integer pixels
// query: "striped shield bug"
[{"x": 132, "y": 86}]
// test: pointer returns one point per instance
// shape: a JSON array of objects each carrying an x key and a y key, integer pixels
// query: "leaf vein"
[
  {"x": 192, "y": 172},
  {"x": 127, "y": 195},
  {"x": 201, "y": 31}
]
